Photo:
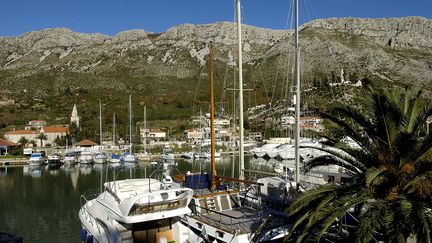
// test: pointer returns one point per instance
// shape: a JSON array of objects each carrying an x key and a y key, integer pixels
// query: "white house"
[
  {"x": 36, "y": 124},
  {"x": 193, "y": 134},
  {"x": 15, "y": 136},
  {"x": 156, "y": 135},
  {"x": 53, "y": 132}
]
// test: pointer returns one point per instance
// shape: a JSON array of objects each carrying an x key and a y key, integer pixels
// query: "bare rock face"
[
  {"x": 395, "y": 50},
  {"x": 409, "y": 32}
]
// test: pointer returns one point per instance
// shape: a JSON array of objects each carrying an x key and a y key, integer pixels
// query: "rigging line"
[
  {"x": 197, "y": 90},
  {"x": 288, "y": 25},
  {"x": 264, "y": 82}
]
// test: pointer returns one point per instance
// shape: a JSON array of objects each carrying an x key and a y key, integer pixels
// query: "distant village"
[{"x": 40, "y": 134}]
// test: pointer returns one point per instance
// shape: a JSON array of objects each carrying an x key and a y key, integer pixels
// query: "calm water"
[{"x": 41, "y": 204}]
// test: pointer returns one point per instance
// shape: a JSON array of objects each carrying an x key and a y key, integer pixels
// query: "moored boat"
[
  {"x": 136, "y": 210},
  {"x": 100, "y": 158},
  {"x": 71, "y": 157},
  {"x": 86, "y": 158},
  {"x": 36, "y": 158}
]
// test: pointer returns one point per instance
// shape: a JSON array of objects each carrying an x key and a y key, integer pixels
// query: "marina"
[
  {"x": 48, "y": 199},
  {"x": 317, "y": 132}
]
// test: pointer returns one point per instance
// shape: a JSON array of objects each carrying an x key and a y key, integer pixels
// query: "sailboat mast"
[
  {"x": 100, "y": 122},
  {"x": 240, "y": 69},
  {"x": 145, "y": 128},
  {"x": 212, "y": 133},
  {"x": 297, "y": 98},
  {"x": 114, "y": 129},
  {"x": 130, "y": 123}
]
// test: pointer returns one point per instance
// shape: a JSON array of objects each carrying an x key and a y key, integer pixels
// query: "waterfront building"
[
  {"x": 86, "y": 145},
  {"x": 52, "y": 132},
  {"x": 16, "y": 135},
  {"x": 156, "y": 135},
  {"x": 192, "y": 135},
  {"x": 6, "y": 146}
]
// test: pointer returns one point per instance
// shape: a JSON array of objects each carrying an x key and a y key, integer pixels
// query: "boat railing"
[
  {"x": 88, "y": 195},
  {"x": 225, "y": 221}
]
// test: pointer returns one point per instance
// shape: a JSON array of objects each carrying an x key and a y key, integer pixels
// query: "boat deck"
[{"x": 242, "y": 220}]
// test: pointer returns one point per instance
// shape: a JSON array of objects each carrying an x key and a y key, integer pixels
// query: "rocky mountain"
[{"x": 40, "y": 68}]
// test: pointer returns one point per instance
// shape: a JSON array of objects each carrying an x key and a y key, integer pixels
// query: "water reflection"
[
  {"x": 41, "y": 203},
  {"x": 33, "y": 170}
]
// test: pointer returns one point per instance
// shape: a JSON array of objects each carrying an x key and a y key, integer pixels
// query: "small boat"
[
  {"x": 202, "y": 155},
  {"x": 54, "y": 162},
  {"x": 100, "y": 158},
  {"x": 187, "y": 155},
  {"x": 136, "y": 210},
  {"x": 143, "y": 155},
  {"x": 37, "y": 158},
  {"x": 167, "y": 156},
  {"x": 71, "y": 157},
  {"x": 86, "y": 158},
  {"x": 129, "y": 158},
  {"x": 115, "y": 158},
  {"x": 54, "y": 159}
]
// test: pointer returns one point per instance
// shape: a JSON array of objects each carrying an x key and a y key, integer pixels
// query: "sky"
[{"x": 113, "y": 16}]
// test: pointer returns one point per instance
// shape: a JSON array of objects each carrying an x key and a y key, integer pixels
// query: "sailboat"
[
  {"x": 144, "y": 154},
  {"x": 129, "y": 157},
  {"x": 226, "y": 214},
  {"x": 100, "y": 156}
]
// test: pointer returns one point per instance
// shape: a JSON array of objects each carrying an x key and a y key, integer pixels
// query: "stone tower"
[{"x": 74, "y": 116}]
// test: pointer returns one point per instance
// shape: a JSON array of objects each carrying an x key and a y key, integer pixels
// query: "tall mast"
[
  {"x": 240, "y": 69},
  {"x": 212, "y": 133},
  {"x": 130, "y": 123},
  {"x": 114, "y": 129},
  {"x": 297, "y": 98},
  {"x": 145, "y": 128},
  {"x": 100, "y": 122}
]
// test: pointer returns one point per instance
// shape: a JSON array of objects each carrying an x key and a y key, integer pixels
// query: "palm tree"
[
  {"x": 391, "y": 174},
  {"x": 23, "y": 141},
  {"x": 41, "y": 137}
]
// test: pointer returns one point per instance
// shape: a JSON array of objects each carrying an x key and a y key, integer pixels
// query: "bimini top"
[{"x": 138, "y": 200}]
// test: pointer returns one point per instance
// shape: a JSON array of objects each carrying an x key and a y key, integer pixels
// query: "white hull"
[
  {"x": 100, "y": 160},
  {"x": 86, "y": 160},
  {"x": 36, "y": 159},
  {"x": 70, "y": 160},
  {"x": 132, "y": 209}
]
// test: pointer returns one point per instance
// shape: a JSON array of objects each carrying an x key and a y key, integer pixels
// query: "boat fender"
[
  {"x": 89, "y": 239},
  {"x": 83, "y": 234}
]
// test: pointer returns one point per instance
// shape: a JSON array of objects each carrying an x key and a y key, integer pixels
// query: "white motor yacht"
[
  {"x": 86, "y": 158},
  {"x": 37, "y": 159},
  {"x": 70, "y": 157},
  {"x": 137, "y": 210}
]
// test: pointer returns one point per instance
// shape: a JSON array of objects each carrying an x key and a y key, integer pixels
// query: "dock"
[{"x": 13, "y": 161}]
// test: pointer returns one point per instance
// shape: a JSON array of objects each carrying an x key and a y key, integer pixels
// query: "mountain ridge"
[{"x": 166, "y": 68}]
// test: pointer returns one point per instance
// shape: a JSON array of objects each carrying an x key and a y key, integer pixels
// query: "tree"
[
  {"x": 42, "y": 136},
  {"x": 391, "y": 176},
  {"x": 23, "y": 141},
  {"x": 74, "y": 130}
]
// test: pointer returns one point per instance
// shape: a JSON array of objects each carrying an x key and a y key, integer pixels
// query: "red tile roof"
[
  {"x": 86, "y": 142},
  {"x": 19, "y": 132},
  {"x": 55, "y": 129},
  {"x": 6, "y": 143}
]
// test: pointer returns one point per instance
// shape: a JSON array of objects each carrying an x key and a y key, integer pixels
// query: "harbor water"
[{"x": 41, "y": 204}]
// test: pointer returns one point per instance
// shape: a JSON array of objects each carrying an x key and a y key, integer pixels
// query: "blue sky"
[{"x": 112, "y": 16}]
